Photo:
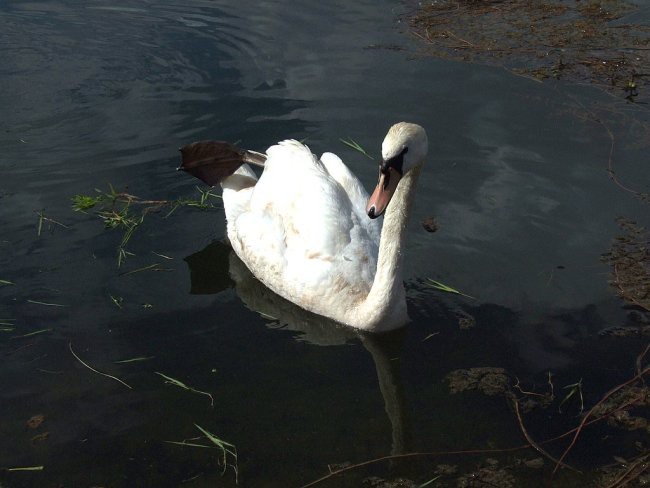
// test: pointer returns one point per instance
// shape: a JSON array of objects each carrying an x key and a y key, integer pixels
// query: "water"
[{"x": 98, "y": 94}]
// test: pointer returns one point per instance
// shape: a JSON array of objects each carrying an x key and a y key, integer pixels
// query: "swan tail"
[{"x": 214, "y": 161}]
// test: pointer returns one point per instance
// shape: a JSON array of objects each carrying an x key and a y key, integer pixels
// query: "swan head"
[{"x": 404, "y": 147}]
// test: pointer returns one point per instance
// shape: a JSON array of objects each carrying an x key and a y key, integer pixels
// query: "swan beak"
[{"x": 379, "y": 199}]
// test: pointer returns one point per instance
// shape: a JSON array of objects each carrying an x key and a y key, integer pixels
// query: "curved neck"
[{"x": 386, "y": 302}]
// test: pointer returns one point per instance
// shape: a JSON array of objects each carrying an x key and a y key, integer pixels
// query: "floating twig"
[
  {"x": 42, "y": 218},
  {"x": 534, "y": 444},
  {"x": 607, "y": 395}
]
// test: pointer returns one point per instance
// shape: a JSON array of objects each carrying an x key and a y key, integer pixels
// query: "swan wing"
[
  {"x": 355, "y": 191},
  {"x": 301, "y": 231}
]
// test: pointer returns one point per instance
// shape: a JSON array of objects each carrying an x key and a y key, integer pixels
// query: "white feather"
[{"x": 302, "y": 230}]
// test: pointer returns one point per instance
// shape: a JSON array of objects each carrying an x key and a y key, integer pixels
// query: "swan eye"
[
  {"x": 396, "y": 162},
  {"x": 386, "y": 180}
]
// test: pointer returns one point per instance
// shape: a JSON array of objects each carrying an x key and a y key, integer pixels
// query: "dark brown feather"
[{"x": 211, "y": 161}]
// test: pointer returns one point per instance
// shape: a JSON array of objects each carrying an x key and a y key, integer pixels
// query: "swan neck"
[{"x": 387, "y": 297}]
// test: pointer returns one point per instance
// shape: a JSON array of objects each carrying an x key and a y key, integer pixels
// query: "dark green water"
[{"x": 94, "y": 94}]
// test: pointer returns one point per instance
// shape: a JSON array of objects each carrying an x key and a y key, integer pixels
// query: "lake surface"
[{"x": 97, "y": 94}]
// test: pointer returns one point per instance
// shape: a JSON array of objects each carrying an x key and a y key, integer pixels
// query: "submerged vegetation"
[
  {"x": 228, "y": 456},
  {"x": 117, "y": 211},
  {"x": 629, "y": 258},
  {"x": 621, "y": 408},
  {"x": 178, "y": 383},
  {"x": 589, "y": 41}
]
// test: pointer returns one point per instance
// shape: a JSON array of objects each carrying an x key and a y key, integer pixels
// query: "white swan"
[{"x": 303, "y": 228}]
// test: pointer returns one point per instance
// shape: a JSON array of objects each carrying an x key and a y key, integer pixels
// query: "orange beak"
[{"x": 379, "y": 199}]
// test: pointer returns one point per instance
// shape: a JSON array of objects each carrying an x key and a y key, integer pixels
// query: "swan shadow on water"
[{"x": 207, "y": 270}]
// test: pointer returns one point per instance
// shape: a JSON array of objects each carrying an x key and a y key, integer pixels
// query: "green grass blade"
[
  {"x": 446, "y": 288},
  {"x": 356, "y": 146},
  {"x": 134, "y": 360},
  {"x": 213, "y": 438},
  {"x": 30, "y": 334},
  {"x": 47, "y": 304},
  {"x": 427, "y": 483},
  {"x": 152, "y": 267},
  {"x": 173, "y": 381},
  {"x": 190, "y": 444}
]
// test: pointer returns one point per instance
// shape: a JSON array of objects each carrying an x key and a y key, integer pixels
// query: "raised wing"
[{"x": 213, "y": 161}]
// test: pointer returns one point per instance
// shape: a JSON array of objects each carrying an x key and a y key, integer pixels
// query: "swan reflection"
[{"x": 208, "y": 276}]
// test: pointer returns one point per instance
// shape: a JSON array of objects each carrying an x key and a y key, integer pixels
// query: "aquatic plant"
[
  {"x": 356, "y": 146},
  {"x": 446, "y": 288},
  {"x": 173, "y": 381},
  {"x": 226, "y": 448},
  {"x": 43, "y": 219},
  {"x": 116, "y": 211},
  {"x": 86, "y": 365},
  {"x": 579, "y": 42},
  {"x": 613, "y": 406}
]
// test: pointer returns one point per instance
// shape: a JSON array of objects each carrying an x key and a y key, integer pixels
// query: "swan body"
[{"x": 307, "y": 229}]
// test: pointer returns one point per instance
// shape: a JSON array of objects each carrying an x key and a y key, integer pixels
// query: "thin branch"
[
  {"x": 600, "y": 402},
  {"x": 410, "y": 455},
  {"x": 533, "y": 444},
  {"x": 622, "y": 481}
]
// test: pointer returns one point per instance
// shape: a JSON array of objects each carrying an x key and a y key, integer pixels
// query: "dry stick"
[
  {"x": 602, "y": 400},
  {"x": 533, "y": 444},
  {"x": 476, "y": 451},
  {"x": 620, "y": 481},
  {"x": 128, "y": 198},
  {"x": 412, "y": 454},
  {"x": 610, "y": 157},
  {"x": 596, "y": 419},
  {"x": 640, "y": 357},
  {"x": 531, "y": 393},
  {"x": 94, "y": 370},
  {"x": 610, "y": 169}
]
